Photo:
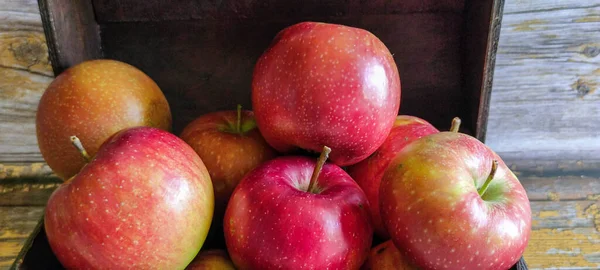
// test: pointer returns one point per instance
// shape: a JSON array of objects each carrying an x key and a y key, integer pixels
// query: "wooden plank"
[
  {"x": 537, "y": 6},
  {"x": 563, "y": 249},
  {"x": 24, "y": 74},
  {"x": 161, "y": 10},
  {"x": 565, "y": 214},
  {"x": 544, "y": 99},
  {"x": 548, "y": 165},
  {"x": 26, "y": 184},
  {"x": 20, "y": 92},
  {"x": 16, "y": 224},
  {"x": 561, "y": 188},
  {"x": 25, "y": 170},
  {"x": 26, "y": 194},
  {"x": 479, "y": 57},
  {"x": 72, "y": 32},
  {"x": 565, "y": 222}
]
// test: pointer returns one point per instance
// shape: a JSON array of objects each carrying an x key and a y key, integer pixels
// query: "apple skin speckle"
[
  {"x": 439, "y": 177},
  {"x": 93, "y": 100},
  {"x": 227, "y": 153},
  {"x": 271, "y": 222},
  {"x": 151, "y": 212},
  {"x": 368, "y": 172},
  {"x": 326, "y": 84}
]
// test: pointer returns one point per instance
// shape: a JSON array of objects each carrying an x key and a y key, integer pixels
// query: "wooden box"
[{"x": 201, "y": 53}]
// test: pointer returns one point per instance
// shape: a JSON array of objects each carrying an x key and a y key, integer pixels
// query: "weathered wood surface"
[
  {"x": 16, "y": 224},
  {"x": 566, "y": 233},
  {"x": 24, "y": 74},
  {"x": 566, "y": 220},
  {"x": 545, "y": 110}
]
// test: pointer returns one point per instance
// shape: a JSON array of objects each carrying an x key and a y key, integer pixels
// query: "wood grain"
[
  {"x": 72, "y": 32},
  {"x": 565, "y": 222},
  {"x": 38, "y": 170},
  {"x": 564, "y": 236},
  {"x": 27, "y": 194},
  {"x": 16, "y": 224},
  {"x": 561, "y": 188},
  {"x": 545, "y": 108},
  {"x": 24, "y": 74},
  {"x": 273, "y": 10}
]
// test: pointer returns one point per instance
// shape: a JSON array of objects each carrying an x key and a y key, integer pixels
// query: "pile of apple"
[{"x": 304, "y": 181}]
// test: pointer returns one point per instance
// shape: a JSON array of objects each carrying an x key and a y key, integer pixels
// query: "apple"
[
  {"x": 386, "y": 256},
  {"x": 294, "y": 213},
  {"x": 214, "y": 259},
  {"x": 368, "y": 172},
  {"x": 326, "y": 84},
  {"x": 94, "y": 100},
  {"x": 144, "y": 201},
  {"x": 230, "y": 146},
  {"x": 449, "y": 202}
]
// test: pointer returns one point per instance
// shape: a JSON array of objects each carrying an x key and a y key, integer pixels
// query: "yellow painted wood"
[
  {"x": 565, "y": 235},
  {"x": 16, "y": 225}
]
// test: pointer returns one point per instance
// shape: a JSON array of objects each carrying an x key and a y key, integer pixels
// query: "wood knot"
[
  {"x": 594, "y": 211},
  {"x": 582, "y": 88},
  {"x": 553, "y": 196},
  {"x": 591, "y": 51},
  {"x": 29, "y": 53}
]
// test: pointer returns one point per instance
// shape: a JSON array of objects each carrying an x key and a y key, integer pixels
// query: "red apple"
[
  {"x": 386, "y": 256},
  {"x": 144, "y": 201},
  {"x": 214, "y": 259},
  {"x": 290, "y": 213},
  {"x": 450, "y": 202},
  {"x": 230, "y": 146},
  {"x": 94, "y": 100},
  {"x": 326, "y": 84},
  {"x": 368, "y": 172}
]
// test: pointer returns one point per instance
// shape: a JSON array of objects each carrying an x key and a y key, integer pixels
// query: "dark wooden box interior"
[{"x": 202, "y": 53}]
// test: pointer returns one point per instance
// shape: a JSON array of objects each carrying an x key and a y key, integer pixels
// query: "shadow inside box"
[{"x": 37, "y": 253}]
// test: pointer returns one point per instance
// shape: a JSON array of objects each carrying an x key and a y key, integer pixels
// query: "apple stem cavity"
[
  {"x": 238, "y": 126},
  {"x": 455, "y": 124},
  {"x": 315, "y": 175},
  {"x": 483, "y": 188},
  {"x": 77, "y": 143}
]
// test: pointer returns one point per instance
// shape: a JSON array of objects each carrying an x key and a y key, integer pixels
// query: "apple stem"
[
  {"x": 315, "y": 175},
  {"x": 483, "y": 188},
  {"x": 238, "y": 126},
  {"x": 77, "y": 143},
  {"x": 455, "y": 124}
]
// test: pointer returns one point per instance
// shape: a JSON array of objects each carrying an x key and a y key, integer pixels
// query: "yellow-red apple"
[
  {"x": 144, "y": 201},
  {"x": 94, "y": 100},
  {"x": 368, "y": 172}
]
